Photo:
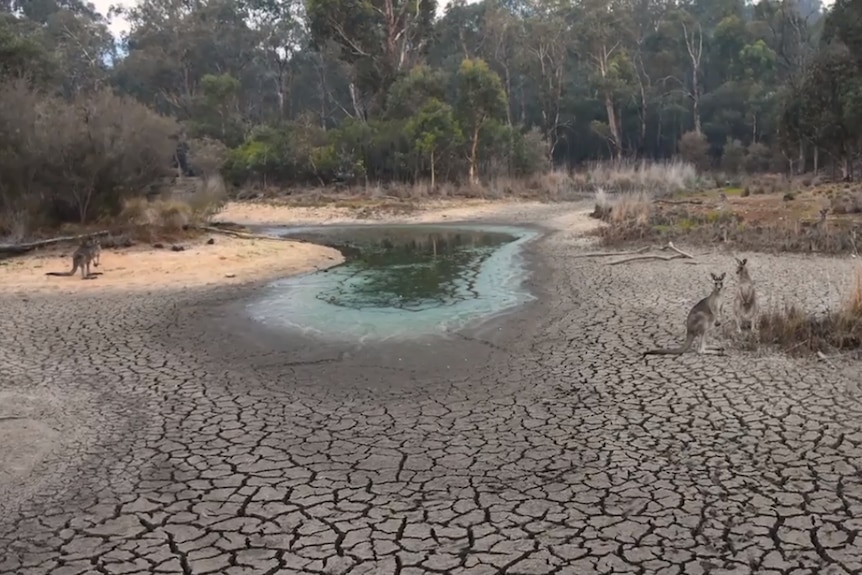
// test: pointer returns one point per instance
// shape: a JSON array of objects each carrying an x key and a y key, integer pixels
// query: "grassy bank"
[{"x": 766, "y": 215}]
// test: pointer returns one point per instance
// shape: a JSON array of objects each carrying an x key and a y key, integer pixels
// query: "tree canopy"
[{"x": 308, "y": 92}]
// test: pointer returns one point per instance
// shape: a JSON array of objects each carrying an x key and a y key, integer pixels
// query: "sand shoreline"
[{"x": 228, "y": 261}]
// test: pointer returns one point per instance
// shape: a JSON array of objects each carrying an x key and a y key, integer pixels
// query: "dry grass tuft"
[
  {"x": 711, "y": 225},
  {"x": 854, "y": 302},
  {"x": 799, "y": 333},
  {"x": 655, "y": 178},
  {"x": 165, "y": 217}
]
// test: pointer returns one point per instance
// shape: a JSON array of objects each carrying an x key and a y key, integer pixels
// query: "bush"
[
  {"x": 758, "y": 158},
  {"x": 694, "y": 149},
  {"x": 733, "y": 157},
  {"x": 207, "y": 157},
  {"x": 529, "y": 153},
  {"x": 72, "y": 161}
]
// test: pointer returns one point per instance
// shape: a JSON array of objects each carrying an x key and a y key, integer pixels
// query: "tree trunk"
[
  {"x": 433, "y": 170},
  {"x": 474, "y": 151},
  {"x": 695, "y": 107},
  {"x": 614, "y": 127},
  {"x": 816, "y": 159},
  {"x": 694, "y": 45}
]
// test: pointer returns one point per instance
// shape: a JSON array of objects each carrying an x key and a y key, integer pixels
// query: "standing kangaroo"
[
  {"x": 88, "y": 252},
  {"x": 701, "y": 319},
  {"x": 745, "y": 308}
]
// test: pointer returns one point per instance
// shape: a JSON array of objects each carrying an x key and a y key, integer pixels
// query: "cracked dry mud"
[{"x": 187, "y": 440}]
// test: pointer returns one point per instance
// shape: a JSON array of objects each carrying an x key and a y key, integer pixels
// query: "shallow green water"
[{"x": 400, "y": 281}]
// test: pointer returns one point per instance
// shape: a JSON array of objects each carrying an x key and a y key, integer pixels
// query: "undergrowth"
[
  {"x": 798, "y": 333},
  {"x": 635, "y": 218},
  {"x": 654, "y": 178}
]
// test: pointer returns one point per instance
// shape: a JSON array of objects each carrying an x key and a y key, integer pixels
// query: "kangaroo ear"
[
  {"x": 744, "y": 261},
  {"x": 721, "y": 277}
]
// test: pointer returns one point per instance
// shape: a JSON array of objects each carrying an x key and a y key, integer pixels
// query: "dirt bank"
[
  {"x": 269, "y": 213},
  {"x": 228, "y": 260}
]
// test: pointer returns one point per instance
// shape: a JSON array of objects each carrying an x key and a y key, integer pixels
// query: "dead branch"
[
  {"x": 16, "y": 249},
  {"x": 648, "y": 257},
  {"x": 609, "y": 254},
  {"x": 677, "y": 202},
  {"x": 243, "y": 235},
  {"x": 678, "y": 254},
  {"x": 672, "y": 247}
]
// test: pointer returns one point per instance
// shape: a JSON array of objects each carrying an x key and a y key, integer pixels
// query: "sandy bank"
[
  {"x": 143, "y": 268},
  {"x": 269, "y": 213}
]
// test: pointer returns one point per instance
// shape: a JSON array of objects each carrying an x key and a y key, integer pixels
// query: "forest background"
[{"x": 485, "y": 98}]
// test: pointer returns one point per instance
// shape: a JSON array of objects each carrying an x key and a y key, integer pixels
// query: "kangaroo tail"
[
  {"x": 65, "y": 274},
  {"x": 689, "y": 339}
]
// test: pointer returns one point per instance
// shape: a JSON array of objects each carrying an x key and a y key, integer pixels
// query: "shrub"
[
  {"x": 758, "y": 158},
  {"x": 207, "y": 156},
  {"x": 694, "y": 149},
  {"x": 80, "y": 159},
  {"x": 733, "y": 157}
]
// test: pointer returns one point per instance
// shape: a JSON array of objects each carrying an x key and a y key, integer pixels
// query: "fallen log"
[
  {"x": 609, "y": 254},
  {"x": 16, "y": 249},
  {"x": 678, "y": 202},
  {"x": 678, "y": 254},
  {"x": 647, "y": 257},
  {"x": 245, "y": 235}
]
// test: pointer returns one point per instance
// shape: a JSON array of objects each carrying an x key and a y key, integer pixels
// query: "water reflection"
[
  {"x": 409, "y": 269},
  {"x": 400, "y": 281}
]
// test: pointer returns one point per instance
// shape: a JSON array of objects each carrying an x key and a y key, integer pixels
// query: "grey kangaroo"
[
  {"x": 745, "y": 308},
  {"x": 701, "y": 319},
  {"x": 88, "y": 252}
]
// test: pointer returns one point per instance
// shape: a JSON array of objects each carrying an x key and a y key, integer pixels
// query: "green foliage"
[
  {"x": 480, "y": 100},
  {"x": 410, "y": 92},
  {"x": 23, "y": 51},
  {"x": 374, "y": 36},
  {"x": 434, "y": 134},
  {"x": 480, "y": 96},
  {"x": 280, "y": 94}
]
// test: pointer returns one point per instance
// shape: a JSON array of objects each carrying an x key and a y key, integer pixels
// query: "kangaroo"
[
  {"x": 745, "y": 303},
  {"x": 88, "y": 252},
  {"x": 701, "y": 319}
]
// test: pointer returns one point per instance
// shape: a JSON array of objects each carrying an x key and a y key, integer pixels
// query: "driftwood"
[
  {"x": 244, "y": 235},
  {"x": 640, "y": 254},
  {"x": 608, "y": 254},
  {"x": 15, "y": 249},
  {"x": 677, "y": 202},
  {"x": 678, "y": 254}
]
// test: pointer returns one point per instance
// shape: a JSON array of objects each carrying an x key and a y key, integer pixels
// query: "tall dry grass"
[
  {"x": 797, "y": 332},
  {"x": 655, "y": 178},
  {"x": 170, "y": 214}
]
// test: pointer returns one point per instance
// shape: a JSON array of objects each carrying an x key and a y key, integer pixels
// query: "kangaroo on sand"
[
  {"x": 88, "y": 252},
  {"x": 700, "y": 321},
  {"x": 745, "y": 303}
]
